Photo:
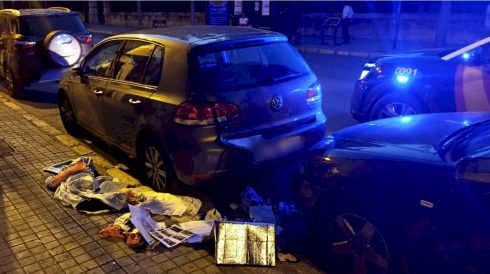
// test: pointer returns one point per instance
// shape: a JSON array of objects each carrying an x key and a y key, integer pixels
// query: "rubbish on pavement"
[
  {"x": 249, "y": 197},
  {"x": 245, "y": 243},
  {"x": 185, "y": 218},
  {"x": 172, "y": 235},
  {"x": 82, "y": 164},
  {"x": 81, "y": 191},
  {"x": 213, "y": 215},
  {"x": 56, "y": 168},
  {"x": 262, "y": 214},
  {"x": 162, "y": 203},
  {"x": 122, "y": 222},
  {"x": 133, "y": 240},
  {"x": 201, "y": 230},
  {"x": 287, "y": 257},
  {"x": 144, "y": 223},
  {"x": 111, "y": 231}
]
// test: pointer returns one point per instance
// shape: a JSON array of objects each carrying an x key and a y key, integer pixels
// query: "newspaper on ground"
[
  {"x": 172, "y": 235},
  {"x": 144, "y": 223}
]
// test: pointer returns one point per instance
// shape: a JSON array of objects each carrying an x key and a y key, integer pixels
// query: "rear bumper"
[{"x": 210, "y": 159}]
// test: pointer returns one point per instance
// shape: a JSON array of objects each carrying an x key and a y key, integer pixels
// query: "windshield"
[
  {"x": 42, "y": 25},
  {"x": 249, "y": 67},
  {"x": 469, "y": 141}
]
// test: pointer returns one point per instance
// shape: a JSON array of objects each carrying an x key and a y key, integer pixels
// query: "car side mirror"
[{"x": 474, "y": 169}]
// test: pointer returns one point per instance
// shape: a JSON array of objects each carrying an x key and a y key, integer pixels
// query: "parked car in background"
[
  {"x": 407, "y": 84},
  {"x": 192, "y": 102},
  {"x": 38, "y": 45},
  {"x": 402, "y": 193}
]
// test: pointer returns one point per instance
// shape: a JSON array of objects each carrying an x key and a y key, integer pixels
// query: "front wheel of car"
[
  {"x": 356, "y": 245},
  {"x": 394, "y": 105},
  {"x": 67, "y": 114},
  {"x": 14, "y": 88}
]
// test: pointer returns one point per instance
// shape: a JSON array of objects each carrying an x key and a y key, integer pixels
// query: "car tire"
[
  {"x": 394, "y": 105},
  {"x": 155, "y": 166},
  {"x": 353, "y": 241},
  {"x": 13, "y": 86},
  {"x": 62, "y": 49},
  {"x": 67, "y": 114}
]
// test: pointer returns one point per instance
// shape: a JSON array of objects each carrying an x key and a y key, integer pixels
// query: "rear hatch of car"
[{"x": 257, "y": 90}]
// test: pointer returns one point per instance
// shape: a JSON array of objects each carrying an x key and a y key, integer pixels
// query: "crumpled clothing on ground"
[
  {"x": 120, "y": 230},
  {"x": 84, "y": 188},
  {"x": 82, "y": 164},
  {"x": 162, "y": 203}
]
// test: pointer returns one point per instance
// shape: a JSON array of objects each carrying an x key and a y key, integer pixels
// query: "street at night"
[{"x": 244, "y": 137}]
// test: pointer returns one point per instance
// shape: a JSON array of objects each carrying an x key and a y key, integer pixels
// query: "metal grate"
[{"x": 5, "y": 148}]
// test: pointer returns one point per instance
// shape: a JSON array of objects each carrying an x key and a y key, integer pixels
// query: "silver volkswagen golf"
[{"x": 192, "y": 102}]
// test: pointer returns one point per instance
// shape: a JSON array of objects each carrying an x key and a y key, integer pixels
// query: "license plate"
[{"x": 277, "y": 148}]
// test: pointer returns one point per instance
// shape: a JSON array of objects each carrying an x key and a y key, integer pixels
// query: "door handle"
[
  {"x": 98, "y": 92},
  {"x": 134, "y": 101}
]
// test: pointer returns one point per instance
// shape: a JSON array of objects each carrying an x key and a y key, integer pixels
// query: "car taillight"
[
  {"x": 314, "y": 93},
  {"x": 22, "y": 44},
  {"x": 201, "y": 114},
  {"x": 86, "y": 39}
]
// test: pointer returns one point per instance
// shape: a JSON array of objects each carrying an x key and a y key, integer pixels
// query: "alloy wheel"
[
  {"x": 359, "y": 245},
  {"x": 396, "y": 109},
  {"x": 155, "y": 167}
]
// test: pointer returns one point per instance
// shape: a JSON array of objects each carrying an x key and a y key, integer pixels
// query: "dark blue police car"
[{"x": 408, "y": 84}]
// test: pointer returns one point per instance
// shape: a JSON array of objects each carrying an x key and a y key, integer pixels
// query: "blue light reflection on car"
[
  {"x": 466, "y": 56},
  {"x": 406, "y": 119}
]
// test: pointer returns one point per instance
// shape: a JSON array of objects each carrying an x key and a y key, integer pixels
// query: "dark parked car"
[
  {"x": 38, "y": 45},
  {"x": 403, "y": 193},
  {"x": 193, "y": 102},
  {"x": 407, "y": 84}
]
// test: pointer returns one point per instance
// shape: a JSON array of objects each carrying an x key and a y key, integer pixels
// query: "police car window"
[
  {"x": 131, "y": 64},
  {"x": 99, "y": 62},
  {"x": 155, "y": 66}
]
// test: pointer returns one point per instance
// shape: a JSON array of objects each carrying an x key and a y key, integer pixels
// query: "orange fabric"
[
  {"x": 111, "y": 231},
  {"x": 62, "y": 176}
]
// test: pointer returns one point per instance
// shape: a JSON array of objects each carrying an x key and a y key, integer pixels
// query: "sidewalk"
[
  {"x": 38, "y": 234},
  {"x": 309, "y": 44}
]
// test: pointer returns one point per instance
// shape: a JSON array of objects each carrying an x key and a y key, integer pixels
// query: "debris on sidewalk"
[
  {"x": 144, "y": 223},
  {"x": 213, "y": 215},
  {"x": 122, "y": 230},
  {"x": 201, "y": 230},
  {"x": 250, "y": 197},
  {"x": 65, "y": 169},
  {"x": 262, "y": 214},
  {"x": 240, "y": 243},
  {"x": 82, "y": 191},
  {"x": 162, "y": 203},
  {"x": 172, "y": 235}
]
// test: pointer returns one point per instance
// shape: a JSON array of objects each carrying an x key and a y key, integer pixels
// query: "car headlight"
[
  {"x": 368, "y": 67},
  {"x": 364, "y": 73}
]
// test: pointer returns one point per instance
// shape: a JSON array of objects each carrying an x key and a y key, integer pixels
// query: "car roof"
[
  {"x": 36, "y": 12},
  {"x": 203, "y": 34}
]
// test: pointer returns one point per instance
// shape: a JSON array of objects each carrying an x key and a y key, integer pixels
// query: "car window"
[
  {"x": 476, "y": 143},
  {"x": 131, "y": 63},
  {"x": 155, "y": 66},
  {"x": 42, "y": 25},
  {"x": 98, "y": 63},
  {"x": 249, "y": 67}
]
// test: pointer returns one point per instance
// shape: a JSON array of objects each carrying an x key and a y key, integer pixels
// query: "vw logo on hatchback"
[{"x": 277, "y": 103}]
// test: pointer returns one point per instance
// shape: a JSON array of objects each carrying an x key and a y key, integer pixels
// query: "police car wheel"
[{"x": 395, "y": 106}]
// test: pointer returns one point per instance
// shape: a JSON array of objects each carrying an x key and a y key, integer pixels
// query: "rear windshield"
[
  {"x": 42, "y": 25},
  {"x": 249, "y": 67}
]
